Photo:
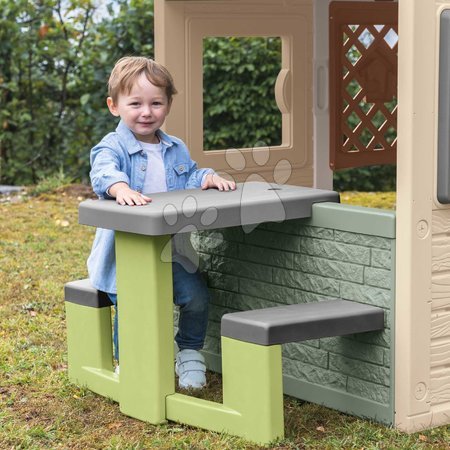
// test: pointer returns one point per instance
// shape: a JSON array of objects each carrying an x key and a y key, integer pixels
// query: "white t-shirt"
[
  {"x": 155, "y": 176},
  {"x": 155, "y": 181}
]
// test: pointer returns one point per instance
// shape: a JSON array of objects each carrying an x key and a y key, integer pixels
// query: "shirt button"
[
  {"x": 143, "y": 167},
  {"x": 181, "y": 168}
]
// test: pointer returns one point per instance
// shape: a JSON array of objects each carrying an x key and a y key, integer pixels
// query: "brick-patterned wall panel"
[{"x": 295, "y": 263}]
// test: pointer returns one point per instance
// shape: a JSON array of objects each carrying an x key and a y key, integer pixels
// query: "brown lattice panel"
[{"x": 363, "y": 83}]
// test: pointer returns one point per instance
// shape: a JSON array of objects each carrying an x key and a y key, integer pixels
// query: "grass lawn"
[{"x": 41, "y": 248}]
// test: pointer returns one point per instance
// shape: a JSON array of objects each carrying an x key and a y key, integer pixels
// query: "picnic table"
[{"x": 145, "y": 387}]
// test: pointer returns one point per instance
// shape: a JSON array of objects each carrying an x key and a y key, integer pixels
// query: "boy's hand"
[
  {"x": 212, "y": 180},
  {"x": 126, "y": 196}
]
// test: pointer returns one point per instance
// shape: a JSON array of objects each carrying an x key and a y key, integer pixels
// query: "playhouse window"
[{"x": 239, "y": 106}]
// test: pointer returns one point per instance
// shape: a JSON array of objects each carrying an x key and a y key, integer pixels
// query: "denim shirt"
[{"x": 119, "y": 157}]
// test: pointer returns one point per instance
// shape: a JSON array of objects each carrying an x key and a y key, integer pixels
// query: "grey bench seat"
[
  {"x": 82, "y": 293},
  {"x": 293, "y": 323}
]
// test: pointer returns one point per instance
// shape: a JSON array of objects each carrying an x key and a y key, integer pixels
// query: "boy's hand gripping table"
[{"x": 145, "y": 388}]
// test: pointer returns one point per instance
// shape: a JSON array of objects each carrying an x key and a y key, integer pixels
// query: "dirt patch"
[{"x": 77, "y": 190}]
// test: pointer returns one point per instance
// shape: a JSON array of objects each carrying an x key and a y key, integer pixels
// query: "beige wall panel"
[
  {"x": 440, "y": 303},
  {"x": 169, "y": 31},
  {"x": 439, "y": 417},
  {"x": 441, "y": 254},
  {"x": 440, "y": 325},
  {"x": 440, "y": 291},
  {"x": 423, "y": 243},
  {"x": 440, "y": 319},
  {"x": 440, "y": 353},
  {"x": 440, "y": 387},
  {"x": 416, "y": 141},
  {"x": 441, "y": 221},
  {"x": 179, "y": 31}
]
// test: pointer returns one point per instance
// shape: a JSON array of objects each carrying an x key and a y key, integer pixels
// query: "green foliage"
[
  {"x": 51, "y": 183},
  {"x": 54, "y": 63},
  {"x": 238, "y": 95},
  {"x": 371, "y": 178},
  {"x": 55, "y": 60}
]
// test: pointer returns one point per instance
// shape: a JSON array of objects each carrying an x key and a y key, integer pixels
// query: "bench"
[
  {"x": 251, "y": 358},
  {"x": 300, "y": 322},
  {"x": 89, "y": 338},
  {"x": 82, "y": 293},
  {"x": 269, "y": 326}
]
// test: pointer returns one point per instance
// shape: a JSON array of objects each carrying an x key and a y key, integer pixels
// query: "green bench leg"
[
  {"x": 89, "y": 348},
  {"x": 252, "y": 395},
  {"x": 253, "y": 385},
  {"x": 145, "y": 296}
]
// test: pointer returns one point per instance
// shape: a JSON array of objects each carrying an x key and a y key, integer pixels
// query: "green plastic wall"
[{"x": 342, "y": 251}]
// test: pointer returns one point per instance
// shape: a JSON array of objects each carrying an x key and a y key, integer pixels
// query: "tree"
[
  {"x": 54, "y": 62},
  {"x": 55, "y": 59}
]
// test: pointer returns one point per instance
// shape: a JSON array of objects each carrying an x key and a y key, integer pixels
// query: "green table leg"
[{"x": 144, "y": 286}]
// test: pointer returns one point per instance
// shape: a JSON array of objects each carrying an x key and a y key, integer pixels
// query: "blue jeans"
[{"x": 191, "y": 295}]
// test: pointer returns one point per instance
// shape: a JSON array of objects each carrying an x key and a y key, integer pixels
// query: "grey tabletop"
[{"x": 195, "y": 209}]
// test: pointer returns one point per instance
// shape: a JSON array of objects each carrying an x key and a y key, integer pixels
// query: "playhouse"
[{"x": 361, "y": 83}]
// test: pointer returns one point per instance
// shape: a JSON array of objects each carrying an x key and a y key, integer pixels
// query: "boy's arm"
[
  {"x": 105, "y": 170},
  {"x": 109, "y": 181},
  {"x": 204, "y": 178},
  {"x": 212, "y": 180},
  {"x": 124, "y": 195},
  {"x": 207, "y": 178}
]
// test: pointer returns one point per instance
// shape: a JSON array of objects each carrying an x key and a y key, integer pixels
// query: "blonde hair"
[{"x": 128, "y": 69}]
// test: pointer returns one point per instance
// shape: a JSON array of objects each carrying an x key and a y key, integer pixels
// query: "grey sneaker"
[{"x": 190, "y": 368}]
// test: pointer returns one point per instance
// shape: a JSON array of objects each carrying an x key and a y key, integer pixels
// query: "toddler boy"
[{"x": 139, "y": 159}]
